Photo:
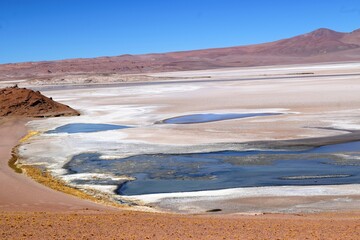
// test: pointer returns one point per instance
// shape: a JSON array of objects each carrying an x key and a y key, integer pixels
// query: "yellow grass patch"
[
  {"x": 13, "y": 163},
  {"x": 29, "y": 135}
]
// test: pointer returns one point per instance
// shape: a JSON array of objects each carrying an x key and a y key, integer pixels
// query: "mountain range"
[{"x": 321, "y": 45}]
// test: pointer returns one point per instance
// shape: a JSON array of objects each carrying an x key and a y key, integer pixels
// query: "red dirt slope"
[{"x": 16, "y": 101}]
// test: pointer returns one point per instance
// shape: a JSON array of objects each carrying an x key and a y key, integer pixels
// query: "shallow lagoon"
[
  {"x": 164, "y": 173},
  {"x": 85, "y": 128},
  {"x": 212, "y": 117}
]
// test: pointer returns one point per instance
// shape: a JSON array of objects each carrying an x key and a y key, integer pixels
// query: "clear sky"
[{"x": 33, "y": 30}]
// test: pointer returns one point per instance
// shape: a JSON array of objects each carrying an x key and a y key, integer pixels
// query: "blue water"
[
  {"x": 212, "y": 117},
  {"x": 85, "y": 128},
  {"x": 162, "y": 173}
]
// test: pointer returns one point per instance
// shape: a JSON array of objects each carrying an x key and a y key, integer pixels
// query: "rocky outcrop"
[{"x": 16, "y": 101}]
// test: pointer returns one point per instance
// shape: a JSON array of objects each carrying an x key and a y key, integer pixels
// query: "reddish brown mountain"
[
  {"x": 318, "y": 42},
  {"x": 322, "y": 45},
  {"x": 16, "y": 101}
]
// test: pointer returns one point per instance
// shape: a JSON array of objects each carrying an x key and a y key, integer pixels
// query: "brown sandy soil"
[
  {"x": 134, "y": 225},
  {"x": 16, "y": 101}
]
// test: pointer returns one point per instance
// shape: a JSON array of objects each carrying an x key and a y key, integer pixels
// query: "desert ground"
[{"x": 319, "y": 101}]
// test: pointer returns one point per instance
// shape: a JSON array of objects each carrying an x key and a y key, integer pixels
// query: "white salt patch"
[
  {"x": 231, "y": 193},
  {"x": 346, "y": 125},
  {"x": 258, "y": 71},
  {"x": 92, "y": 176},
  {"x": 107, "y": 189}
]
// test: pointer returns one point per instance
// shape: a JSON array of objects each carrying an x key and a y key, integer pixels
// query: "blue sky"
[{"x": 33, "y": 30}]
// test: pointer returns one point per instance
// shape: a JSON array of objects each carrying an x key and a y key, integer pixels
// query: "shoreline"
[
  {"x": 43, "y": 177},
  {"x": 150, "y": 202},
  {"x": 35, "y": 216},
  {"x": 20, "y": 192}
]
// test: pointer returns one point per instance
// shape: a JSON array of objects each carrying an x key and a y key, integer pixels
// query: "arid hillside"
[
  {"x": 322, "y": 45},
  {"x": 16, "y": 101}
]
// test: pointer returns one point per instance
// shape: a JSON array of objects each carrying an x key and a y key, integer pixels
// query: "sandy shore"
[{"x": 20, "y": 193}]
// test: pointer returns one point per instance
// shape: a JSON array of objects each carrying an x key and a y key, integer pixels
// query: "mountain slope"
[
  {"x": 322, "y": 45},
  {"x": 321, "y": 41}
]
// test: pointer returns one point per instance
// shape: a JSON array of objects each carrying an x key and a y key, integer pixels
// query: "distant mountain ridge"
[
  {"x": 321, "y": 41},
  {"x": 321, "y": 45}
]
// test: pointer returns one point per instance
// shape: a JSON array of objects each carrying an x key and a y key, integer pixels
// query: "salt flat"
[{"x": 324, "y": 105}]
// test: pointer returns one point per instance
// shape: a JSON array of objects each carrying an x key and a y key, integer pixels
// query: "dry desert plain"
[{"x": 319, "y": 105}]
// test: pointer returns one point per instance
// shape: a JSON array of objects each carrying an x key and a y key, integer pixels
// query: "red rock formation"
[{"x": 16, "y": 101}]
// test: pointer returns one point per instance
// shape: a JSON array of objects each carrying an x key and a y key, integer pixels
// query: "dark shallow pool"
[
  {"x": 211, "y": 117},
  {"x": 85, "y": 128},
  {"x": 163, "y": 173}
]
